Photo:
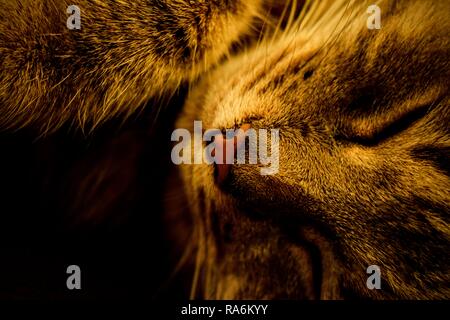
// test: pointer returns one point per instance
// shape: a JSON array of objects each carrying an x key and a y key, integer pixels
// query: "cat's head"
[
  {"x": 124, "y": 53},
  {"x": 363, "y": 176}
]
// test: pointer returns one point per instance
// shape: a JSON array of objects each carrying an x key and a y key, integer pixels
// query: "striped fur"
[{"x": 364, "y": 148}]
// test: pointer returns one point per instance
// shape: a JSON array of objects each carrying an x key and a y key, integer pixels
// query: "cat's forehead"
[
  {"x": 345, "y": 31},
  {"x": 337, "y": 66}
]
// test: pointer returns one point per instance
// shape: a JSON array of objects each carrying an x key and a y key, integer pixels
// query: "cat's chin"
[
  {"x": 260, "y": 259},
  {"x": 257, "y": 253}
]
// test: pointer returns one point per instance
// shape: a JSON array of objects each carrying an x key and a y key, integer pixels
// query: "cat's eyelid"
[{"x": 370, "y": 133}]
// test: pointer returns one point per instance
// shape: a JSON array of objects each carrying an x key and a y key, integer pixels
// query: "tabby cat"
[
  {"x": 68, "y": 188},
  {"x": 364, "y": 153}
]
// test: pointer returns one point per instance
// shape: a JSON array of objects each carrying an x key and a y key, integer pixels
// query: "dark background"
[{"x": 93, "y": 200}]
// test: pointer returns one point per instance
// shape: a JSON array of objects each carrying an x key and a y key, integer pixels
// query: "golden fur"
[
  {"x": 125, "y": 53},
  {"x": 364, "y": 149}
]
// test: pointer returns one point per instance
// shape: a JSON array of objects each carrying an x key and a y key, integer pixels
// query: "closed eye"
[{"x": 373, "y": 136}]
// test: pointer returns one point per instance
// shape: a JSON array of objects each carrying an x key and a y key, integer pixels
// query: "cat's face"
[
  {"x": 363, "y": 161},
  {"x": 125, "y": 53}
]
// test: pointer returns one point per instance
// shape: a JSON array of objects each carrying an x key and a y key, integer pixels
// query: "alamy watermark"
[
  {"x": 74, "y": 278},
  {"x": 230, "y": 147},
  {"x": 74, "y": 20},
  {"x": 374, "y": 20},
  {"x": 374, "y": 280}
]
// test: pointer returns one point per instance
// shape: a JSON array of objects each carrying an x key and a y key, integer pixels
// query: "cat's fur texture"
[
  {"x": 364, "y": 151},
  {"x": 349, "y": 193},
  {"x": 125, "y": 53},
  {"x": 128, "y": 59}
]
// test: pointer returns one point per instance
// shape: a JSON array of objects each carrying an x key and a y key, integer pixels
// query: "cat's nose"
[{"x": 228, "y": 155}]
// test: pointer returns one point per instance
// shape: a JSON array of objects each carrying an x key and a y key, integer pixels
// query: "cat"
[
  {"x": 82, "y": 134},
  {"x": 363, "y": 117}
]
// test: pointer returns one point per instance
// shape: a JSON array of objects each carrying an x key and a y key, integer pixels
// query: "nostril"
[
  {"x": 222, "y": 166},
  {"x": 226, "y": 155}
]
